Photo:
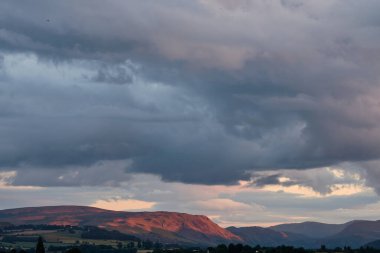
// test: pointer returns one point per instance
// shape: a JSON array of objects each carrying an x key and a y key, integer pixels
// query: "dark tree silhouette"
[
  {"x": 74, "y": 250},
  {"x": 40, "y": 245}
]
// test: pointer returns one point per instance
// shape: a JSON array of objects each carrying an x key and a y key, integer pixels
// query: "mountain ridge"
[
  {"x": 255, "y": 235},
  {"x": 171, "y": 227},
  {"x": 188, "y": 229},
  {"x": 311, "y": 229}
]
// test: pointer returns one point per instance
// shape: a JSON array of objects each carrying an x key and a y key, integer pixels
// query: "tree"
[
  {"x": 148, "y": 244},
  {"x": 73, "y": 250},
  {"x": 40, "y": 245},
  {"x": 221, "y": 248}
]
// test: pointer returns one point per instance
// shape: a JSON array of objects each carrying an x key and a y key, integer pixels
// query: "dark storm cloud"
[
  {"x": 212, "y": 90},
  {"x": 75, "y": 175}
]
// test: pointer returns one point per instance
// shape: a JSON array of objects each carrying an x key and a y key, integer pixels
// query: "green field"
[{"x": 26, "y": 239}]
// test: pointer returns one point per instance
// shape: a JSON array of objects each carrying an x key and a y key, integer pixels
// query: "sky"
[{"x": 250, "y": 112}]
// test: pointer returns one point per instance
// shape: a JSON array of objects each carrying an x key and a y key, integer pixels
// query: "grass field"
[{"x": 58, "y": 238}]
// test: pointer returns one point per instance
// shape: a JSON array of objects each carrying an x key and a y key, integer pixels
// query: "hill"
[
  {"x": 187, "y": 229},
  {"x": 373, "y": 244},
  {"x": 311, "y": 229},
  {"x": 167, "y": 227},
  {"x": 312, "y": 234},
  {"x": 268, "y": 237},
  {"x": 355, "y": 234}
]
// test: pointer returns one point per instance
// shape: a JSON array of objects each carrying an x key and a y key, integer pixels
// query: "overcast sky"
[{"x": 251, "y": 112}]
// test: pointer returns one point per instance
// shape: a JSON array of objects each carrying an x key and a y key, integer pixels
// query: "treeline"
[
  {"x": 17, "y": 251},
  {"x": 239, "y": 248},
  {"x": 236, "y": 248},
  {"x": 87, "y": 232},
  {"x": 129, "y": 247},
  {"x": 103, "y": 234},
  {"x": 92, "y": 249},
  {"x": 36, "y": 227},
  {"x": 14, "y": 239},
  {"x": 78, "y": 249},
  {"x": 232, "y": 248},
  {"x": 6, "y": 229}
]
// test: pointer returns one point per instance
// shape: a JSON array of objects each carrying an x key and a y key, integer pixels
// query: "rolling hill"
[
  {"x": 311, "y": 229},
  {"x": 168, "y": 227},
  {"x": 373, "y": 244},
  {"x": 268, "y": 237},
  {"x": 187, "y": 229},
  {"x": 356, "y": 234}
]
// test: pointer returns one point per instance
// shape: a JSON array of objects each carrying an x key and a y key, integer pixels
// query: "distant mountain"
[
  {"x": 168, "y": 227},
  {"x": 312, "y": 234},
  {"x": 373, "y": 244},
  {"x": 311, "y": 229},
  {"x": 268, "y": 237},
  {"x": 355, "y": 234}
]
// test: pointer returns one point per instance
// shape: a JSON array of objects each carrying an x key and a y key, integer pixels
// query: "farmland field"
[{"x": 65, "y": 237}]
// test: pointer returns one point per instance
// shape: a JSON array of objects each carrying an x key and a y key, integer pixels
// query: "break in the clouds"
[
  {"x": 238, "y": 205},
  {"x": 202, "y": 92}
]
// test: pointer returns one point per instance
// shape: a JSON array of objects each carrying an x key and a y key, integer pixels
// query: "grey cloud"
[
  {"x": 370, "y": 171},
  {"x": 267, "y": 180},
  {"x": 112, "y": 74},
  {"x": 246, "y": 207},
  {"x": 120, "y": 77},
  {"x": 222, "y": 89},
  {"x": 102, "y": 173},
  {"x": 286, "y": 202},
  {"x": 321, "y": 180}
]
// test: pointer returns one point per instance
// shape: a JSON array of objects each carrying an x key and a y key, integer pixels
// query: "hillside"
[
  {"x": 373, "y": 244},
  {"x": 356, "y": 234},
  {"x": 169, "y": 227},
  {"x": 312, "y": 234},
  {"x": 311, "y": 229},
  {"x": 187, "y": 229},
  {"x": 268, "y": 237}
]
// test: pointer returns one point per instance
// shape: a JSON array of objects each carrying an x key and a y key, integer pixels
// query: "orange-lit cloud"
[{"x": 123, "y": 204}]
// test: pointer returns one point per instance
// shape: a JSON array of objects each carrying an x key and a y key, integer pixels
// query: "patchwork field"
[{"x": 24, "y": 237}]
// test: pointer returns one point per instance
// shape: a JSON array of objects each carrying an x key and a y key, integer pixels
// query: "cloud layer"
[{"x": 196, "y": 92}]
